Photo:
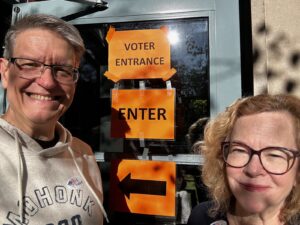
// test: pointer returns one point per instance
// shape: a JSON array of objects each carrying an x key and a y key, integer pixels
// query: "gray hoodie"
[{"x": 53, "y": 186}]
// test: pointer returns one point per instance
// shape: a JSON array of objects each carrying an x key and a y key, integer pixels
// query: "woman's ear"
[{"x": 4, "y": 71}]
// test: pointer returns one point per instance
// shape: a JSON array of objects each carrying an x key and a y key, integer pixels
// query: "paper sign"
[
  {"x": 143, "y": 114},
  {"x": 138, "y": 54},
  {"x": 143, "y": 187}
]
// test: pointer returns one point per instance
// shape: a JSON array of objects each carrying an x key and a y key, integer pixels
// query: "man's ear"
[{"x": 4, "y": 71}]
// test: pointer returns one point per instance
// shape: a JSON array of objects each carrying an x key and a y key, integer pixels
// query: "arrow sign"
[
  {"x": 147, "y": 187},
  {"x": 144, "y": 187}
]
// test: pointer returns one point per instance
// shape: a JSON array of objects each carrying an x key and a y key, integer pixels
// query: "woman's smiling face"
[{"x": 255, "y": 190}]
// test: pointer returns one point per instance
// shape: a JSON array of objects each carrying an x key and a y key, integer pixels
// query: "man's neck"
[{"x": 44, "y": 132}]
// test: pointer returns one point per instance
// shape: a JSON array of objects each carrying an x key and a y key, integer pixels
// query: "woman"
[{"x": 252, "y": 164}]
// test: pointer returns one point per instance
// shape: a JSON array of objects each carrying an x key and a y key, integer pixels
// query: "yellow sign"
[
  {"x": 143, "y": 187},
  {"x": 143, "y": 114},
  {"x": 138, "y": 54}
]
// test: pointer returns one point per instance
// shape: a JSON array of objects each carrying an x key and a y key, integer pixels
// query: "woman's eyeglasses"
[{"x": 275, "y": 160}]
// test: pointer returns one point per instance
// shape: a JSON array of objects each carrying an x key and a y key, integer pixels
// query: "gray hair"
[{"x": 67, "y": 31}]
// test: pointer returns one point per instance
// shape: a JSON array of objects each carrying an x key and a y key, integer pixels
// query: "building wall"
[{"x": 276, "y": 46}]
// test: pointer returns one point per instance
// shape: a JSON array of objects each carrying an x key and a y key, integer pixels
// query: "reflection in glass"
[{"x": 173, "y": 37}]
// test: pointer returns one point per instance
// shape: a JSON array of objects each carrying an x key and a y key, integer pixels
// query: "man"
[{"x": 46, "y": 175}]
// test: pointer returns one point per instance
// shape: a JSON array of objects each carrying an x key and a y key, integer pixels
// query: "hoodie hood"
[{"x": 65, "y": 139}]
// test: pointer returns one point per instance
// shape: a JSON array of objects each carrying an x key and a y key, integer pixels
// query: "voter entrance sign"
[
  {"x": 143, "y": 114},
  {"x": 143, "y": 187},
  {"x": 139, "y": 54}
]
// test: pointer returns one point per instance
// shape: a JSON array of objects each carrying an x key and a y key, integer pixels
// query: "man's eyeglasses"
[
  {"x": 31, "y": 69},
  {"x": 275, "y": 160}
]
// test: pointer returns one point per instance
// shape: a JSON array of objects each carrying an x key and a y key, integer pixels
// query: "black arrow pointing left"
[{"x": 146, "y": 187}]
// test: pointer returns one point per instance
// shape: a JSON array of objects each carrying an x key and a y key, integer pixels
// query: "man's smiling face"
[{"x": 39, "y": 102}]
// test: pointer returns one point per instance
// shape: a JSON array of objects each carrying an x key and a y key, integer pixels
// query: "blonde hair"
[
  {"x": 67, "y": 31},
  {"x": 220, "y": 128}
]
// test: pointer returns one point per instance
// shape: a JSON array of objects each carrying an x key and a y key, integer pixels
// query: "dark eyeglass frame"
[
  {"x": 75, "y": 71},
  {"x": 251, "y": 152}
]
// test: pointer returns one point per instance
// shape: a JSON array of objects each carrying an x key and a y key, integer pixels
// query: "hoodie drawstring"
[
  {"x": 20, "y": 175},
  {"x": 89, "y": 186}
]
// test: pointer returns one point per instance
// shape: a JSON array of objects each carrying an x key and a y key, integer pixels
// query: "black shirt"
[
  {"x": 48, "y": 144},
  {"x": 199, "y": 216}
]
